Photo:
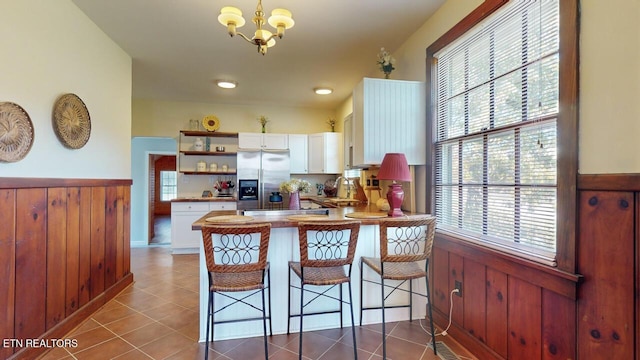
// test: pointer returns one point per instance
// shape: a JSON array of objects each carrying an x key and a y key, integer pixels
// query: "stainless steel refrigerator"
[{"x": 260, "y": 173}]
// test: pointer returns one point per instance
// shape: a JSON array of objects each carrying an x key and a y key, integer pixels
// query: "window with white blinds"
[{"x": 497, "y": 103}]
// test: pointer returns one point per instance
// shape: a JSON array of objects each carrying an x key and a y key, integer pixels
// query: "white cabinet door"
[
  {"x": 347, "y": 148},
  {"x": 249, "y": 140},
  {"x": 389, "y": 116},
  {"x": 263, "y": 141},
  {"x": 298, "y": 150},
  {"x": 275, "y": 141},
  {"x": 325, "y": 153}
]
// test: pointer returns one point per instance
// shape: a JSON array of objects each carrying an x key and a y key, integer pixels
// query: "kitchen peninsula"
[{"x": 284, "y": 247}]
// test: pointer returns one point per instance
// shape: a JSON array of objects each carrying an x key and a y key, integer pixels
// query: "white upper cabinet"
[
  {"x": 263, "y": 141},
  {"x": 325, "y": 153},
  {"x": 298, "y": 153},
  {"x": 388, "y": 116},
  {"x": 347, "y": 148}
]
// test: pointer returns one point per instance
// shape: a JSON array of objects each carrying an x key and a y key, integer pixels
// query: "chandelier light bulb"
[{"x": 280, "y": 19}]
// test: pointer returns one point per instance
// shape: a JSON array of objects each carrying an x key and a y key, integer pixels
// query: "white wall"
[
  {"x": 50, "y": 48},
  {"x": 610, "y": 87}
]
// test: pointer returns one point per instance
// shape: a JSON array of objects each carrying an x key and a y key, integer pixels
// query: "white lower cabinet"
[{"x": 183, "y": 214}]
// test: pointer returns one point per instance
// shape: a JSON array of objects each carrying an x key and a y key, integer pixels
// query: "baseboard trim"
[{"x": 75, "y": 319}]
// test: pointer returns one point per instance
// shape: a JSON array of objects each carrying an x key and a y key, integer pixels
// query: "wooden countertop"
[
  {"x": 204, "y": 199},
  {"x": 335, "y": 214}
]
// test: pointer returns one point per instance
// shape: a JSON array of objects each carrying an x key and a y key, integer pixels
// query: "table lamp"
[{"x": 394, "y": 167}]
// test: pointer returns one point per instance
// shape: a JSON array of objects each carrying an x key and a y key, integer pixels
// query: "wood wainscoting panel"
[
  {"x": 64, "y": 252},
  {"x": 96, "y": 286},
  {"x": 606, "y": 259},
  {"x": 84, "y": 270},
  {"x": 559, "y": 341},
  {"x": 31, "y": 260},
  {"x": 509, "y": 307},
  {"x": 56, "y": 255},
  {"x": 7, "y": 267},
  {"x": 111, "y": 235},
  {"x": 497, "y": 300},
  {"x": 72, "y": 275},
  {"x": 474, "y": 286},
  {"x": 524, "y": 320}
]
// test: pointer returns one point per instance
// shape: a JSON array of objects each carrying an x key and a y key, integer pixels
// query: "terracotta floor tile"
[
  {"x": 91, "y": 338},
  {"x": 146, "y": 334},
  {"x": 167, "y": 345},
  {"x": 113, "y": 313},
  {"x": 129, "y": 323},
  {"x": 107, "y": 350},
  {"x": 157, "y": 318}
]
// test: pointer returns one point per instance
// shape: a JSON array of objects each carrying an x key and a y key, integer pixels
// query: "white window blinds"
[{"x": 496, "y": 132}]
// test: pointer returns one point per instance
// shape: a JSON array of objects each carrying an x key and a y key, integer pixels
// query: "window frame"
[
  {"x": 161, "y": 185},
  {"x": 567, "y": 123}
]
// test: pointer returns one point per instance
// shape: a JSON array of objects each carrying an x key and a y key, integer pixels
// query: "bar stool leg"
[
  {"x": 410, "y": 300},
  {"x": 301, "y": 306},
  {"x": 264, "y": 327},
  {"x": 341, "y": 302},
  {"x": 269, "y": 286},
  {"x": 361, "y": 290},
  {"x": 289, "y": 304},
  {"x": 209, "y": 323},
  {"x": 384, "y": 332},
  {"x": 353, "y": 328},
  {"x": 433, "y": 337}
]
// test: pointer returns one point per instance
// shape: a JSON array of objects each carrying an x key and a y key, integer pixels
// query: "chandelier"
[{"x": 231, "y": 17}]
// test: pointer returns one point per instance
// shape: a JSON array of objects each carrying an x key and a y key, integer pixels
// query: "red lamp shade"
[{"x": 394, "y": 167}]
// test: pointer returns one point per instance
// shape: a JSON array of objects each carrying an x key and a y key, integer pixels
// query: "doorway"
[{"x": 162, "y": 189}]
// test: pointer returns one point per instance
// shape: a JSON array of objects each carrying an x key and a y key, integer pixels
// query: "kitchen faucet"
[{"x": 338, "y": 183}]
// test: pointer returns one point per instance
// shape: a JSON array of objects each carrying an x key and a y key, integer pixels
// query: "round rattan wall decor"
[
  {"x": 16, "y": 132},
  {"x": 71, "y": 121}
]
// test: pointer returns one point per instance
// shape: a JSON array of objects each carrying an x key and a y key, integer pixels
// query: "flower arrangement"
[
  {"x": 295, "y": 185},
  {"x": 386, "y": 62},
  {"x": 332, "y": 123},
  {"x": 263, "y": 120}
]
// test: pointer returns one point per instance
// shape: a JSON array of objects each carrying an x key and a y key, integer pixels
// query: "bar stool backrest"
[
  {"x": 236, "y": 248},
  {"x": 406, "y": 240},
  {"x": 327, "y": 243}
]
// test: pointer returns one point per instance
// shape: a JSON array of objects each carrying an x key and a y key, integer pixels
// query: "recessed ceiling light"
[
  {"x": 226, "y": 84},
  {"x": 323, "y": 91}
]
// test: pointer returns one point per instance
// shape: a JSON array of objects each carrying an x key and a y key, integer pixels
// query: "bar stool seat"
[{"x": 320, "y": 276}]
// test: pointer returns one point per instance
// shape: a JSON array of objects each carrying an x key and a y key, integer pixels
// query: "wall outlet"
[{"x": 458, "y": 286}]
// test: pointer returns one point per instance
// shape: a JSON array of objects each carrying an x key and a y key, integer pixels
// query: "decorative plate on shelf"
[
  {"x": 16, "y": 132},
  {"x": 211, "y": 122},
  {"x": 71, "y": 121}
]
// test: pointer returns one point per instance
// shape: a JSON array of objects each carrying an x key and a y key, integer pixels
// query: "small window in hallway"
[{"x": 168, "y": 185}]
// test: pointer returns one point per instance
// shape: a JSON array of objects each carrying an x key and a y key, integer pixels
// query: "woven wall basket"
[
  {"x": 16, "y": 132},
  {"x": 71, "y": 121}
]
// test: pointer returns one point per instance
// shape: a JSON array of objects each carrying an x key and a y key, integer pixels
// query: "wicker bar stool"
[
  {"x": 326, "y": 249},
  {"x": 236, "y": 257},
  {"x": 403, "y": 244}
]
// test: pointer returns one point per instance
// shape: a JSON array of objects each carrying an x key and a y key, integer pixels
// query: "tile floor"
[{"x": 157, "y": 318}]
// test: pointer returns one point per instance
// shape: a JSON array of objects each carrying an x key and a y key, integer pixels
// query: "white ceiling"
[{"x": 179, "y": 49}]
